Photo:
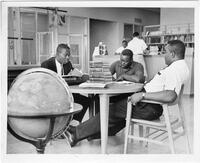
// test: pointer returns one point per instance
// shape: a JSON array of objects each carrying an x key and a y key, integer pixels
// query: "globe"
[{"x": 34, "y": 97}]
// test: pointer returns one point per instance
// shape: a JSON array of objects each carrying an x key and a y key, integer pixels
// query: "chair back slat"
[{"x": 179, "y": 96}]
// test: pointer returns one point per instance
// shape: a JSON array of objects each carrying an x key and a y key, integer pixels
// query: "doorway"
[
  {"x": 138, "y": 28},
  {"x": 103, "y": 31},
  {"x": 128, "y": 31}
]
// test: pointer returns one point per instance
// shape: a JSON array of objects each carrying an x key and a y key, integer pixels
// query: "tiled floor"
[{"x": 115, "y": 143}]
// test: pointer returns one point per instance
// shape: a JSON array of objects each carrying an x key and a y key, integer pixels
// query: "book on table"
[{"x": 96, "y": 84}]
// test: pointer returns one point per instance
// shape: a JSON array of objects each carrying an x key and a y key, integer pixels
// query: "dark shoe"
[
  {"x": 71, "y": 137},
  {"x": 97, "y": 136}
]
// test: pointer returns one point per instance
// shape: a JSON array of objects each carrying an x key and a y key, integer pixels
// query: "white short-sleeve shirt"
[
  {"x": 137, "y": 46},
  {"x": 170, "y": 78},
  {"x": 120, "y": 49}
]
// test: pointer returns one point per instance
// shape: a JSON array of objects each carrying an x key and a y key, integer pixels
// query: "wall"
[
  {"x": 119, "y": 15},
  {"x": 176, "y": 16},
  {"x": 105, "y": 31}
]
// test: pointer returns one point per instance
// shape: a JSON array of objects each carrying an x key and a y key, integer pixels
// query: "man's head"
[
  {"x": 135, "y": 34},
  {"x": 175, "y": 50},
  {"x": 62, "y": 53},
  {"x": 124, "y": 43},
  {"x": 126, "y": 58}
]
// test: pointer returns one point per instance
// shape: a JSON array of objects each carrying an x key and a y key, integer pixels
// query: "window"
[
  {"x": 74, "y": 32},
  {"x": 23, "y": 26}
]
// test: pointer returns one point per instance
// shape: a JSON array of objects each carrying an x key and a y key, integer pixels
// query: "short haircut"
[
  {"x": 125, "y": 41},
  {"x": 178, "y": 48},
  {"x": 135, "y": 34},
  {"x": 62, "y": 46},
  {"x": 127, "y": 52}
]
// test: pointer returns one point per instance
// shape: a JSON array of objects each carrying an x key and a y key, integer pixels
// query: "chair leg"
[
  {"x": 141, "y": 133},
  {"x": 169, "y": 129},
  {"x": 188, "y": 143},
  {"x": 146, "y": 135},
  {"x": 128, "y": 119},
  {"x": 131, "y": 131},
  {"x": 185, "y": 129}
]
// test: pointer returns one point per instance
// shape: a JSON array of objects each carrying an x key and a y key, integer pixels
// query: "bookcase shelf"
[{"x": 156, "y": 36}]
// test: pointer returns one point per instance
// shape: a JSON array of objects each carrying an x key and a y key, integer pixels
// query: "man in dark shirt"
[
  {"x": 127, "y": 69},
  {"x": 62, "y": 65}
]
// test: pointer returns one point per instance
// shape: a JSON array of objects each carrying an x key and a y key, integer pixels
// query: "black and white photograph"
[{"x": 114, "y": 80}]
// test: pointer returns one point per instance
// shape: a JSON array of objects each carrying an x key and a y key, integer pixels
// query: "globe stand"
[{"x": 39, "y": 143}]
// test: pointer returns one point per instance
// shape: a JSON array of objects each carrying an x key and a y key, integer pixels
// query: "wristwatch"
[{"x": 143, "y": 95}]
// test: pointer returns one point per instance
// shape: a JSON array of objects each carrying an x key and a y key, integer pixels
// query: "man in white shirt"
[
  {"x": 120, "y": 49},
  {"x": 138, "y": 47},
  {"x": 164, "y": 87}
]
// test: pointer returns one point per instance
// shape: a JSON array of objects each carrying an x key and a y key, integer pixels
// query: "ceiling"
[{"x": 157, "y": 10}]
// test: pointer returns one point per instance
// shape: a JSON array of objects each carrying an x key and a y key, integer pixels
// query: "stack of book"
[
  {"x": 99, "y": 71},
  {"x": 99, "y": 75}
]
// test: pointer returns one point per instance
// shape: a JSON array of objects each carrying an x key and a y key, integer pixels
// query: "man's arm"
[
  {"x": 112, "y": 68},
  {"x": 166, "y": 96},
  {"x": 137, "y": 77}
]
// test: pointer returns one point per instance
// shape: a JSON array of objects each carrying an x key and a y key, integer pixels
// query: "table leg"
[
  {"x": 91, "y": 106},
  {"x": 104, "y": 113}
]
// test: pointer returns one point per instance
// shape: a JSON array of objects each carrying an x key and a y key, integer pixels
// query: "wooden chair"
[{"x": 166, "y": 124}]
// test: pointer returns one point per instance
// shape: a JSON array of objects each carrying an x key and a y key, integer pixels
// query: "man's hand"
[
  {"x": 136, "y": 98},
  {"x": 120, "y": 78}
]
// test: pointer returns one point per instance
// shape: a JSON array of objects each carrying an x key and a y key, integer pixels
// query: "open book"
[
  {"x": 103, "y": 84},
  {"x": 74, "y": 73},
  {"x": 94, "y": 84}
]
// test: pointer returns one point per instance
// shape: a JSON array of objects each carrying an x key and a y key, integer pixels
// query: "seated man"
[
  {"x": 127, "y": 69},
  {"x": 62, "y": 65},
  {"x": 164, "y": 87},
  {"x": 120, "y": 49}
]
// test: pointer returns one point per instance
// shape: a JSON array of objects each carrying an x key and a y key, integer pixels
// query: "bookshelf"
[{"x": 157, "y": 36}]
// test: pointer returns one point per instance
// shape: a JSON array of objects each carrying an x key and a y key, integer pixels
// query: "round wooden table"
[{"x": 104, "y": 94}]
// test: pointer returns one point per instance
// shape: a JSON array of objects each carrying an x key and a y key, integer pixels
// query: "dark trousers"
[
  {"x": 84, "y": 101},
  {"x": 117, "y": 115}
]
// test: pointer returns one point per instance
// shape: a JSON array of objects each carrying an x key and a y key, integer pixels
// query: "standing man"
[
  {"x": 120, "y": 49},
  {"x": 62, "y": 65},
  {"x": 164, "y": 87},
  {"x": 138, "y": 47}
]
